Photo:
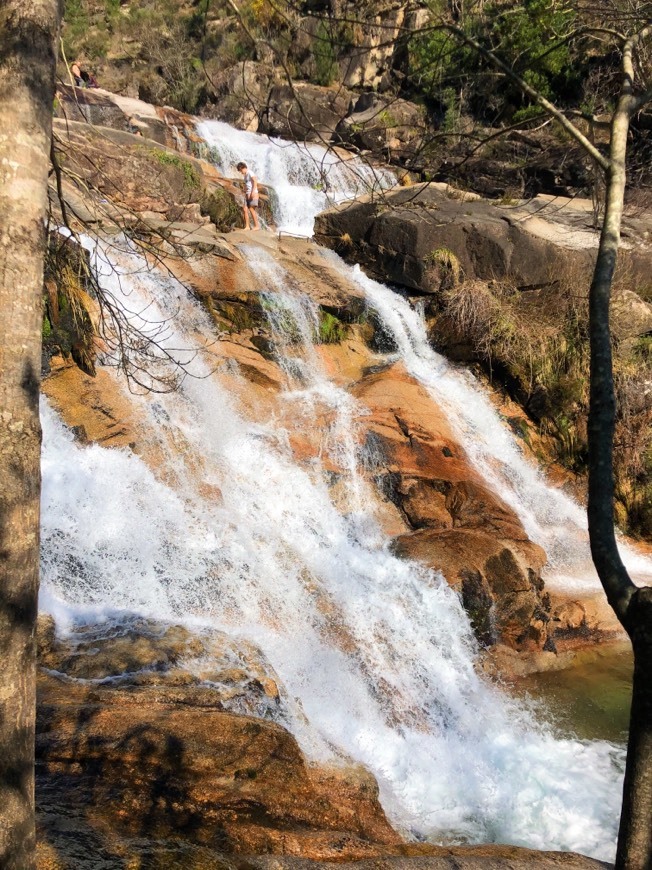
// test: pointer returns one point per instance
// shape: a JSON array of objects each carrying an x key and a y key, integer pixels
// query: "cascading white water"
[
  {"x": 549, "y": 516},
  {"x": 298, "y": 172},
  {"x": 294, "y": 322},
  {"x": 375, "y": 654},
  {"x": 306, "y": 178}
]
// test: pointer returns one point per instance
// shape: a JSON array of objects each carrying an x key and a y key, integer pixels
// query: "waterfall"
[
  {"x": 294, "y": 323},
  {"x": 306, "y": 178},
  {"x": 550, "y": 517},
  {"x": 375, "y": 654}
]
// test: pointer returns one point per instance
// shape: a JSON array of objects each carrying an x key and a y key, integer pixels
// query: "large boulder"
[
  {"x": 499, "y": 583},
  {"x": 305, "y": 112},
  {"x": 142, "y": 733},
  {"x": 392, "y": 127},
  {"x": 101, "y": 108},
  {"x": 136, "y": 173},
  {"x": 241, "y": 93},
  {"x": 140, "y": 762},
  {"x": 404, "y": 236}
]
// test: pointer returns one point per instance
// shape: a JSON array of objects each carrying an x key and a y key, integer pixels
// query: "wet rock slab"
[
  {"x": 142, "y": 762},
  {"x": 138, "y": 742}
]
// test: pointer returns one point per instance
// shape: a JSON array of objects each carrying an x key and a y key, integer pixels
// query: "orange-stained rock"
[
  {"x": 577, "y": 618},
  {"x": 147, "y": 768},
  {"x": 95, "y": 407},
  {"x": 144, "y": 734},
  {"x": 420, "y": 482},
  {"x": 155, "y": 762},
  {"x": 459, "y": 526},
  {"x": 499, "y": 581}
]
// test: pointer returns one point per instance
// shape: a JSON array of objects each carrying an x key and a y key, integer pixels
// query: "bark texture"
[
  {"x": 602, "y": 410},
  {"x": 28, "y": 37},
  {"x": 635, "y": 837},
  {"x": 633, "y": 606}
]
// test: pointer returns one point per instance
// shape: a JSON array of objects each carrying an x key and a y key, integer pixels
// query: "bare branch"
[{"x": 531, "y": 92}]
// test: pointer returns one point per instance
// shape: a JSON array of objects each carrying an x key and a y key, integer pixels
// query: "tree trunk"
[
  {"x": 602, "y": 404},
  {"x": 28, "y": 39},
  {"x": 632, "y": 606},
  {"x": 635, "y": 835}
]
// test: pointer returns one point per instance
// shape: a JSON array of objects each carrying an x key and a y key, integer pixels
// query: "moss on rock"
[{"x": 221, "y": 207}]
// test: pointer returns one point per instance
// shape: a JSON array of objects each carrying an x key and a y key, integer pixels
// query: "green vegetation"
[
  {"x": 76, "y": 28},
  {"x": 537, "y": 344},
  {"x": 544, "y": 356},
  {"x": 446, "y": 259},
  {"x": 527, "y": 37},
  {"x": 160, "y": 39},
  {"x": 233, "y": 316},
  {"x": 331, "y": 329},
  {"x": 387, "y": 119},
  {"x": 176, "y": 51},
  {"x": 280, "y": 318},
  {"x": 191, "y": 175},
  {"x": 221, "y": 209},
  {"x": 325, "y": 56},
  {"x": 643, "y": 349},
  {"x": 67, "y": 326}
]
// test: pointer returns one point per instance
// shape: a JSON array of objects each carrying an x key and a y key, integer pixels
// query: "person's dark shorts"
[{"x": 253, "y": 202}]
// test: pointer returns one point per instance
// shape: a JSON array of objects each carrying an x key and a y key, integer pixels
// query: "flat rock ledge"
[
  {"x": 178, "y": 856},
  {"x": 492, "y": 857}
]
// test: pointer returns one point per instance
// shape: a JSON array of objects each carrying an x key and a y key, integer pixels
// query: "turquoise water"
[{"x": 590, "y": 700}]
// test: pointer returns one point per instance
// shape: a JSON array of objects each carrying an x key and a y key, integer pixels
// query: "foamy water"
[
  {"x": 375, "y": 654},
  {"x": 550, "y": 517}
]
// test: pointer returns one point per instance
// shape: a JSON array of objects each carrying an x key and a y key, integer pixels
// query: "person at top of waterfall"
[
  {"x": 83, "y": 79},
  {"x": 251, "y": 196},
  {"x": 76, "y": 71}
]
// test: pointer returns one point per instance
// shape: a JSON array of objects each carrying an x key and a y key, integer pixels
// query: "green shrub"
[
  {"x": 643, "y": 348},
  {"x": 191, "y": 175},
  {"x": 222, "y": 209},
  {"x": 75, "y": 26},
  {"x": 525, "y": 36}
]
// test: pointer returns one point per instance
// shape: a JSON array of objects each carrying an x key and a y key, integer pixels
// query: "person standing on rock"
[
  {"x": 251, "y": 196},
  {"x": 76, "y": 72}
]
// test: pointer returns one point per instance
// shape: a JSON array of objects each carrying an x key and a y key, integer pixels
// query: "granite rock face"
[
  {"x": 304, "y": 112},
  {"x": 399, "y": 235},
  {"x": 530, "y": 244},
  {"x": 149, "y": 731}
]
